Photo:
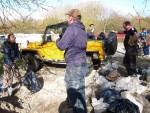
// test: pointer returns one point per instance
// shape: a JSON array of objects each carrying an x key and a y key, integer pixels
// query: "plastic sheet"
[
  {"x": 132, "y": 84},
  {"x": 99, "y": 105},
  {"x": 103, "y": 83},
  {"x": 109, "y": 92},
  {"x": 144, "y": 72},
  {"x": 109, "y": 95}
]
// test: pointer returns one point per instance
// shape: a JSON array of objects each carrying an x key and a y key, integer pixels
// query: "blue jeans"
[{"x": 75, "y": 85}]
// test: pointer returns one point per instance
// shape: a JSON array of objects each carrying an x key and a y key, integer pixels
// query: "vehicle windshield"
[
  {"x": 52, "y": 30},
  {"x": 59, "y": 29}
]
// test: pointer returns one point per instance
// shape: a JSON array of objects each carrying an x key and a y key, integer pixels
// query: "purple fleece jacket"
[{"x": 74, "y": 42}]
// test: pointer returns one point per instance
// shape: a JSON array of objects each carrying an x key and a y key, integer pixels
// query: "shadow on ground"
[
  {"x": 13, "y": 100},
  {"x": 65, "y": 108}
]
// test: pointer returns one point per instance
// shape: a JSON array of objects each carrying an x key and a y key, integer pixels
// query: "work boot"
[{"x": 65, "y": 107}]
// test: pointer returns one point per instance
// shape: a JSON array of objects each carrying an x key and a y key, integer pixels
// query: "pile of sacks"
[{"x": 112, "y": 93}]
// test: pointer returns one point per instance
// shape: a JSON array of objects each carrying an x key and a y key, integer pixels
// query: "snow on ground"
[
  {"x": 120, "y": 48},
  {"x": 22, "y": 38}
]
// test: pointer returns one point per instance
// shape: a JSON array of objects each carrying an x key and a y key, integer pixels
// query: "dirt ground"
[
  {"x": 51, "y": 97},
  {"x": 47, "y": 100}
]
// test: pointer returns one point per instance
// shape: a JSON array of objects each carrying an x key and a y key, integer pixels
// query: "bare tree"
[
  {"x": 14, "y": 9},
  {"x": 139, "y": 14}
]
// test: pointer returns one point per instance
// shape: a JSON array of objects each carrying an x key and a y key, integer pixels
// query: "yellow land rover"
[{"x": 37, "y": 53}]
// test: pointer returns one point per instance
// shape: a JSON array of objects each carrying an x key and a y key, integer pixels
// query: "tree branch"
[{"x": 12, "y": 9}]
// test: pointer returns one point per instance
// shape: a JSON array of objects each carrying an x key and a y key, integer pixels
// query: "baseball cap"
[{"x": 74, "y": 13}]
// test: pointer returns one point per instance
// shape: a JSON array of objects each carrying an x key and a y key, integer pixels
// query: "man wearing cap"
[{"x": 74, "y": 42}]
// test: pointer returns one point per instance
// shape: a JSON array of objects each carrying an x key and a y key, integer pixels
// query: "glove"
[{"x": 54, "y": 36}]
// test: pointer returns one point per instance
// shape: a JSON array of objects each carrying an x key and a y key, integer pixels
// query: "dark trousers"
[{"x": 130, "y": 63}]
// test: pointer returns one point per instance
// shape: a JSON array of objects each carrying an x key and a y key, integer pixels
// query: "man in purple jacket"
[{"x": 74, "y": 42}]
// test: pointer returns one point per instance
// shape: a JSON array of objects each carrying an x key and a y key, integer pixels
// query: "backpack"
[
  {"x": 133, "y": 40},
  {"x": 31, "y": 81}
]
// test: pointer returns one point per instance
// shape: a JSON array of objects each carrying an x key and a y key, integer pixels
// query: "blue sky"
[{"x": 124, "y": 6}]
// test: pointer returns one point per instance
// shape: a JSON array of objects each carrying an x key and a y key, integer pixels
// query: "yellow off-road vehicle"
[{"x": 47, "y": 51}]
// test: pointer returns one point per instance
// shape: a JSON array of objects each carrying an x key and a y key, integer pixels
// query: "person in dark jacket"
[
  {"x": 11, "y": 54},
  {"x": 143, "y": 35},
  {"x": 90, "y": 32},
  {"x": 101, "y": 36},
  {"x": 143, "y": 39},
  {"x": 74, "y": 42},
  {"x": 130, "y": 44}
]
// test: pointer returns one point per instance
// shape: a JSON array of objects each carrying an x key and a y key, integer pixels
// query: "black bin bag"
[
  {"x": 31, "y": 81},
  {"x": 122, "y": 106}
]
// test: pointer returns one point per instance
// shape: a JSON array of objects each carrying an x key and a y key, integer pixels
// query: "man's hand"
[{"x": 54, "y": 36}]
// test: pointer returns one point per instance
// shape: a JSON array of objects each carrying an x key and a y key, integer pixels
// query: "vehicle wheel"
[
  {"x": 31, "y": 62},
  {"x": 111, "y": 44}
]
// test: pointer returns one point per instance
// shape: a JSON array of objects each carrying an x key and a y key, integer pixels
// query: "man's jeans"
[{"x": 75, "y": 84}]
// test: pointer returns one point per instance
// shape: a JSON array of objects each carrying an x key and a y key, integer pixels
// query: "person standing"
[
  {"x": 74, "y": 42},
  {"x": 143, "y": 35},
  {"x": 90, "y": 32},
  {"x": 143, "y": 39},
  {"x": 11, "y": 55},
  {"x": 130, "y": 44},
  {"x": 101, "y": 36}
]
